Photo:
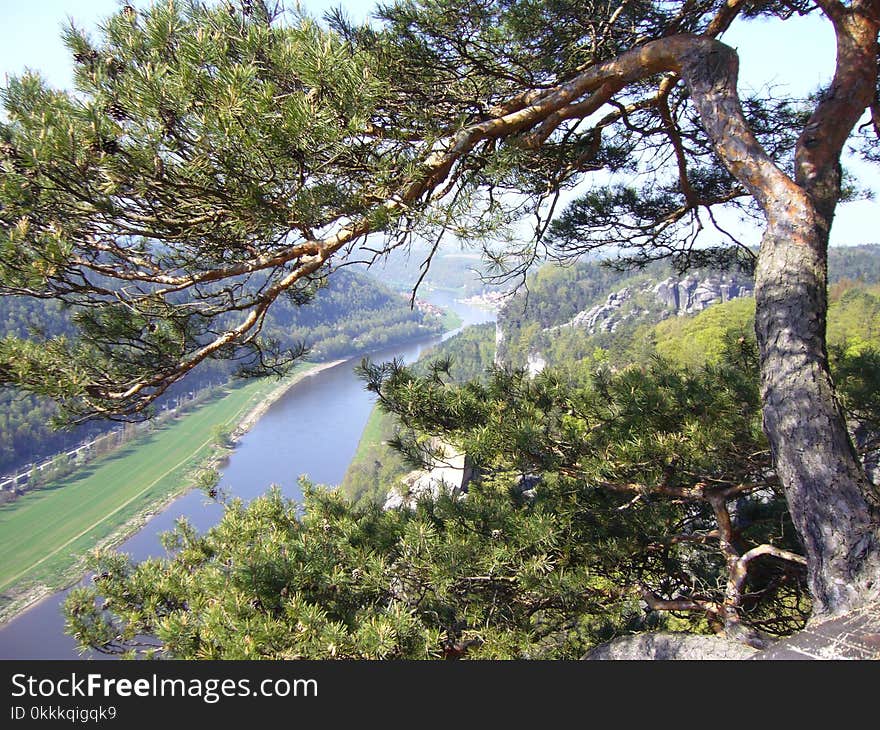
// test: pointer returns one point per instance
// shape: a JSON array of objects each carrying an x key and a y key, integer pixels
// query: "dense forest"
[
  {"x": 542, "y": 320},
  {"x": 25, "y": 431},
  {"x": 350, "y": 314}
]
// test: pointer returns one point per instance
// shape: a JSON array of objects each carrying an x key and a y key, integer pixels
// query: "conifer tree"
[{"x": 214, "y": 159}]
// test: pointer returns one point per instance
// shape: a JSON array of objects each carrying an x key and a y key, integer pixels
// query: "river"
[{"x": 313, "y": 429}]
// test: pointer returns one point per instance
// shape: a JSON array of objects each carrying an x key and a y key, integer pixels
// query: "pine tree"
[{"x": 213, "y": 160}]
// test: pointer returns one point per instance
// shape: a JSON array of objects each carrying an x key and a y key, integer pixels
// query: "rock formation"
[
  {"x": 449, "y": 473},
  {"x": 670, "y": 297}
]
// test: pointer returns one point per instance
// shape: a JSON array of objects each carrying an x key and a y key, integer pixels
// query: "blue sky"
[{"x": 800, "y": 58}]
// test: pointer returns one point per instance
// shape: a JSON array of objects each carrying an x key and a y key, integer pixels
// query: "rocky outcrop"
[
  {"x": 605, "y": 317},
  {"x": 668, "y": 645},
  {"x": 535, "y": 363},
  {"x": 499, "y": 343},
  {"x": 450, "y": 473},
  {"x": 855, "y": 635},
  {"x": 648, "y": 301},
  {"x": 692, "y": 294},
  {"x": 671, "y": 297}
]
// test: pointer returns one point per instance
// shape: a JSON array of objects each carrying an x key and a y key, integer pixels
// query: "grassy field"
[
  {"x": 451, "y": 320},
  {"x": 377, "y": 428},
  {"x": 45, "y": 533}
]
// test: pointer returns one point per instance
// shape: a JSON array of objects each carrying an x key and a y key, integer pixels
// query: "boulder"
[{"x": 669, "y": 645}]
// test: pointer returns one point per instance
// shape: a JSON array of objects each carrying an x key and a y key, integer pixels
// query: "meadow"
[{"x": 45, "y": 533}]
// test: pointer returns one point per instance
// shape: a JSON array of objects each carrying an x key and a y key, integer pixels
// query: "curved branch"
[
  {"x": 852, "y": 90},
  {"x": 741, "y": 566},
  {"x": 707, "y": 66},
  {"x": 672, "y": 133}
]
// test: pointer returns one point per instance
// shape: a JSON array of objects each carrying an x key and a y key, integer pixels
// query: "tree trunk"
[{"x": 834, "y": 507}]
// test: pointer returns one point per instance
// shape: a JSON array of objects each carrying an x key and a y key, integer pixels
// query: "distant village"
[
  {"x": 491, "y": 300},
  {"x": 428, "y": 308}
]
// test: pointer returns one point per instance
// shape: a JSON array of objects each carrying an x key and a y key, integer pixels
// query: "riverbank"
[{"x": 46, "y": 535}]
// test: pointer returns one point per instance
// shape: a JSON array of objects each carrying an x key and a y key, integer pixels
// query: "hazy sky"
[{"x": 800, "y": 58}]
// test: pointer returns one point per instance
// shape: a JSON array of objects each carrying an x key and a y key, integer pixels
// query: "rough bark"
[
  {"x": 833, "y": 505},
  {"x": 665, "y": 645}
]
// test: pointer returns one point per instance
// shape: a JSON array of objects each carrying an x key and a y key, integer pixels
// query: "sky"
[{"x": 800, "y": 58}]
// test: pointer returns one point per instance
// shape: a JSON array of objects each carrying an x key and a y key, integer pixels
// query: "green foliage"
[
  {"x": 663, "y": 437},
  {"x": 555, "y": 294},
  {"x": 350, "y": 314},
  {"x": 854, "y": 318},
  {"x": 485, "y": 577},
  {"x": 593, "y": 490},
  {"x": 853, "y": 328},
  {"x": 216, "y": 160},
  {"x": 196, "y": 136},
  {"x": 516, "y": 423},
  {"x": 221, "y": 434},
  {"x": 471, "y": 353},
  {"x": 701, "y": 339},
  {"x": 855, "y": 263}
]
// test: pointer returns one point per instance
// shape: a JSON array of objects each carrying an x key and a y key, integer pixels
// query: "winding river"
[{"x": 313, "y": 429}]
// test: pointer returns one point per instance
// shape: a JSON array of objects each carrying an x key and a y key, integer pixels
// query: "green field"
[
  {"x": 377, "y": 428},
  {"x": 451, "y": 320},
  {"x": 45, "y": 533}
]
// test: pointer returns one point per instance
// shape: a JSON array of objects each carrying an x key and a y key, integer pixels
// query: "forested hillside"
[
  {"x": 353, "y": 313},
  {"x": 25, "y": 434},
  {"x": 557, "y": 294},
  {"x": 590, "y": 309}
]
